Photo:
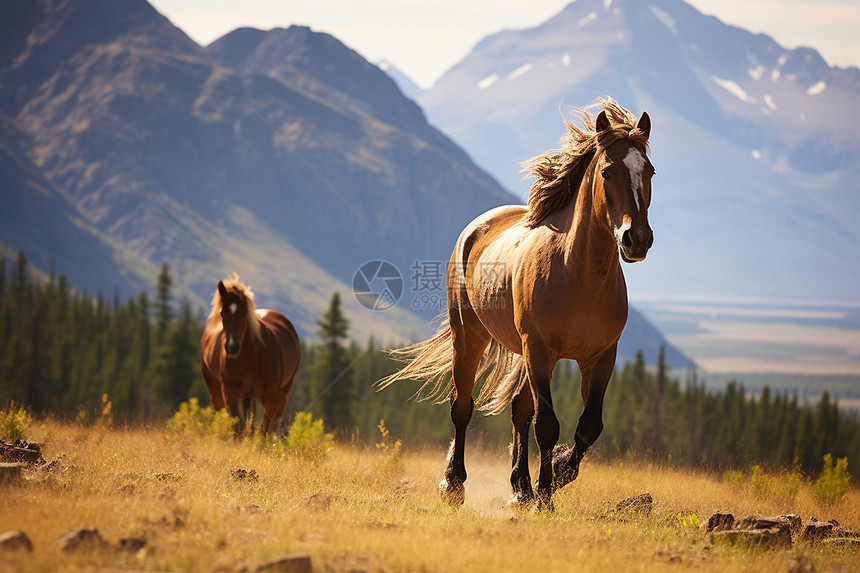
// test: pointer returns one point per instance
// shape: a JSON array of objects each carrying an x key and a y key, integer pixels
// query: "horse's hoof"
[
  {"x": 565, "y": 465},
  {"x": 521, "y": 502},
  {"x": 545, "y": 504},
  {"x": 453, "y": 493}
]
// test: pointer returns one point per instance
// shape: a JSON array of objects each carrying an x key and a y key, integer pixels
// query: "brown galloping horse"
[
  {"x": 528, "y": 286},
  {"x": 247, "y": 353}
]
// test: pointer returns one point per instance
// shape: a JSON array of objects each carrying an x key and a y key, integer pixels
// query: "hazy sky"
[{"x": 424, "y": 38}]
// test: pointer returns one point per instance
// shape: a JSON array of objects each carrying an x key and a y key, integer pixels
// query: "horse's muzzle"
[
  {"x": 231, "y": 347},
  {"x": 634, "y": 245}
]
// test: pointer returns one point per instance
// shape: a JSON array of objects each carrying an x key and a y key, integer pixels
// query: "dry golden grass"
[{"x": 350, "y": 516}]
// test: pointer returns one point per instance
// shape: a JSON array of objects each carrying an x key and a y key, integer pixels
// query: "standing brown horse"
[
  {"x": 529, "y": 286},
  {"x": 247, "y": 353}
]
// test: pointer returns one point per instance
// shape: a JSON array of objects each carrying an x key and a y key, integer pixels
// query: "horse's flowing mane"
[
  {"x": 559, "y": 172},
  {"x": 235, "y": 286}
]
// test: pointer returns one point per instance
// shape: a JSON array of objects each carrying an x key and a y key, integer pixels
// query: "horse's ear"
[
  {"x": 221, "y": 290},
  {"x": 602, "y": 122},
  {"x": 644, "y": 124}
]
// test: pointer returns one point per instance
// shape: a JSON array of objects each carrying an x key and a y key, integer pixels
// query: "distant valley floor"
[{"x": 799, "y": 346}]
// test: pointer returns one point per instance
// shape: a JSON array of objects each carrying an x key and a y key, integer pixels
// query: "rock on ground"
[
  {"x": 295, "y": 563},
  {"x": 15, "y": 541},
  {"x": 641, "y": 503},
  {"x": 85, "y": 539}
]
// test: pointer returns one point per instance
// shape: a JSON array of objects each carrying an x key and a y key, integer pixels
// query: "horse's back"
[
  {"x": 280, "y": 327},
  {"x": 486, "y": 227}
]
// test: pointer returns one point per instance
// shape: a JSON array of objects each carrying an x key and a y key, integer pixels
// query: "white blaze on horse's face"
[
  {"x": 233, "y": 323},
  {"x": 635, "y": 162}
]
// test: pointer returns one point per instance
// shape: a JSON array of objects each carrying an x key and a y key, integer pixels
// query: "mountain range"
[
  {"x": 756, "y": 147},
  {"x": 282, "y": 155}
]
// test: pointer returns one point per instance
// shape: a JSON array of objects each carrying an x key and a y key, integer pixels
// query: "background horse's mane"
[
  {"x": 559, "y": 172},
  {"x": 235, "y": 286}
]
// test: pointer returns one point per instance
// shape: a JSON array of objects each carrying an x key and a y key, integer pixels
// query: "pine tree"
[
  {"x": 7, "y": 337},
  {"x": 331, "y": 377},
  {"x": 826, "y": 426},
  {"x": 176, "y": 367},
  {"x": 657, "y": 444},
  {"x": 805, "y": 441},
  {"x": 163, "y": 312}
]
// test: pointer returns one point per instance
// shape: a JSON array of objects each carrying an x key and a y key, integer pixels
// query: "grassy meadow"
[{"x": 365, "y": 508}]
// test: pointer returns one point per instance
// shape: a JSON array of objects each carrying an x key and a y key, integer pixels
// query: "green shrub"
[
  {"x": 790, "y": 483},
  {"x": 689, "y": 520},
  {"x": 762, "y": 484},
  {"x": 832, "y": 485},
  {"x": 389, "y": 461},
  {"x": 735, "y": 478},
  {"x": 194, "y": 420},
  {"x": 15, "y": 422},
  {"x": 105, "y": 419},
  {"x": 307, "y": 438}
]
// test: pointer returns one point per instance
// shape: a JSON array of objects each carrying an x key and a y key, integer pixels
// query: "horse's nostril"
[
  {"x": 626, "y": 240},
  {"x": 231, "y": 347}
]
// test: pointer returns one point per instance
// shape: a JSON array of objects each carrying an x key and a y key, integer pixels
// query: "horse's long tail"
[{"x": 431, "y": 361}]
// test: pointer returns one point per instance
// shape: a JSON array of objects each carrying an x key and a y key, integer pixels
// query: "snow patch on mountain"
[
  {"x": 734, "y": 89},
  {"x": 768, "y": 100},
  {"x": 488, "y": 81},
  {"x": 587, "y": 20},
  {"x": 665, "y": 18},
  {"x": 523, "y": 69},
  {"x": 816, "y": 88}
]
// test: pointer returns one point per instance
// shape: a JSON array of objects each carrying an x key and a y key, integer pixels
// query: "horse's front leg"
[
  {"x": 522, "y": 412},
  {"x": 231, "y": 398},
  {"x": 213, "y": 384},
  {"x": 250, "y": 409},
  {"x": 539, "y": 367},
  {"x": 595, "y": 378}
]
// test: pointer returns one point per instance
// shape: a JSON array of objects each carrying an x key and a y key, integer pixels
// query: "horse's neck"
[
  {"x": 255, "y": 332},
  {"x": 589, "y": 243}
]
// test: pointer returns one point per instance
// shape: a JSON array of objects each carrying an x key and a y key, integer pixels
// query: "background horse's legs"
[
  {"x": 216, "y": 392},
  {"x": 273, "y": 407},
  {"x": 469, "y": 339},
  {"x": 539, "y": 368},
  {"x": 231, "y": 399},
  {"x": 250, "y": 408},
  {"x": 522, "y": 412}
]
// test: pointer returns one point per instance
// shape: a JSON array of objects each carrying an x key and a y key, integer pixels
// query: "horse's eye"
[{"x": 605, "y": 173}]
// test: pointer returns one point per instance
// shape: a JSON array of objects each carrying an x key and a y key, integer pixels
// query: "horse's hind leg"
[
  {"x": 469, "y": 339},
  {"x": 522, "y": 412}
]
